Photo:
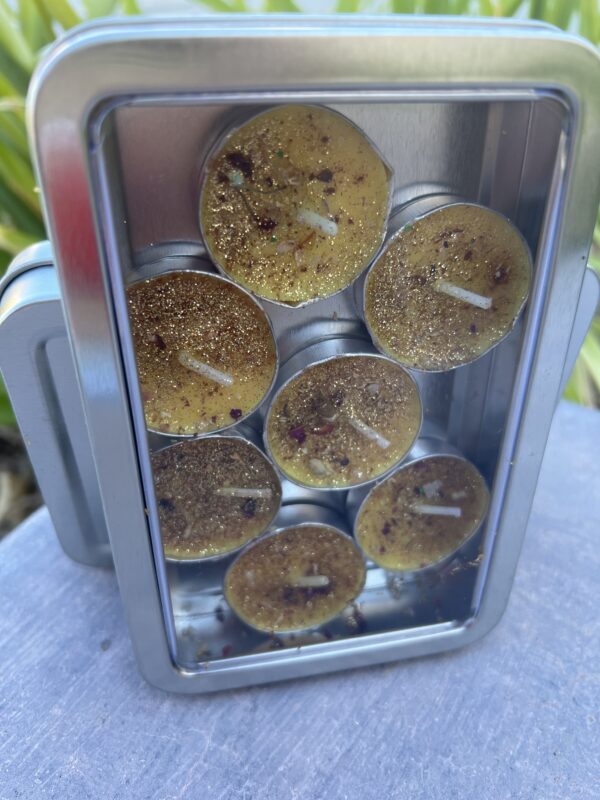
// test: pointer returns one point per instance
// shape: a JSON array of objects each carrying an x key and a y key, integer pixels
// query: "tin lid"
[{"x": 36, "y": 255}]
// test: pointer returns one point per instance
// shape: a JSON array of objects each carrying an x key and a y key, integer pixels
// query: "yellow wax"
[
  {"x": 408, "y": 309},
  {"x": 395, "y": 527},
  {"x": 213, "y": 495},
  {"x": 343, "y": 421},
  {"x": 183, "y": 322},
  {"x": 294, "y": 204},
  {"x": 268, "y": 586}
]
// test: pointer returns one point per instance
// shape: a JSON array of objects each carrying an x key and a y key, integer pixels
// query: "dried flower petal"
[
  {"x": 299, "y": 434},
  {"x": 324, "y": 430}
]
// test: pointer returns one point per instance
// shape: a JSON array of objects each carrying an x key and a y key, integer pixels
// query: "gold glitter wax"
[
  {"x": 213, "y": 495},
  {"x": 297, "y": 578},
  {"x": 411, "y": 303},
  {"x": 205, "y": 353},
  {"x": 343, "y": 421},
  {"x": 294, "y": 204},
  {"x": 395, "y": 526}
]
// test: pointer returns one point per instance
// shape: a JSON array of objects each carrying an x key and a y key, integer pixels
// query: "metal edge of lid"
[
  {"x": 39, "y": 254},
  {"x": 301, "y": 22}
]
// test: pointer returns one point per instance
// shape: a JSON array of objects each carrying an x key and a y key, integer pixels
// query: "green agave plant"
[{"x": 28, "y": 26}]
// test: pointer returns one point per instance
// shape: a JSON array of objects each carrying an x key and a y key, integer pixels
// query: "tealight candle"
[
  {"x": 294, "y": 203},
  {"x": 296, "y": 578},
  {"x": 214, "y": 495},
  {"x": 205, "y": 352},
  {"x": 343, "y": 421},
  {"x": 422, "y": 513},
  {"x": 447, "y": 287}
]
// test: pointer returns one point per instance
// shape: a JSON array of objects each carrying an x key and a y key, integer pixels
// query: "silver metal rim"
[
  {"x": 393, "y": 238},
  {"x": 219, "y": 144},
  {"x": 223, "y": 279},
  {"x": 275, "y": 532},
  {"x": 381, "y": 356},
  {"x": 436, "y": 565},
  {"x": 227, "y": 554}
]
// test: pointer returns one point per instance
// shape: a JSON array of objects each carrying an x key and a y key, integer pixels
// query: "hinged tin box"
[{"x": 314, "y": 287}]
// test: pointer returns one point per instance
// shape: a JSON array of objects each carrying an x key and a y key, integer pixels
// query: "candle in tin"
[
  {"x": 447, "y": 287},
  {"x": 213, "y": 495},
  {"x": 422, "y": 513},
  {"x": 297, "y": 578},
  {"x": 343, "y": 421},
  {"x": 205, "y": 351},
  {"x": 294, "y": 203}
]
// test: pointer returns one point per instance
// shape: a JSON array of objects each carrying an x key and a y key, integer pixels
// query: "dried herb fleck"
[
  {"x": 249, "y": 508},
  {"x": 325, "y": 175},
  {"x": 242, "y": 162}
]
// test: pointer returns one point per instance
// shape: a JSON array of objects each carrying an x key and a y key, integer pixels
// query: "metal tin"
[
  {"x": 243, "y": 430},
  {"x": 300, "y": 515},
  {"x": 425, "y": 445},
  {"x": 39, "y": 373},
  {"x": 229, "y": 128},
  {"x": 195, "y": 264},
  {"x": 196, "y": 593},
  {"x": 495, "y": 125},
  {"x": 294, "y": 494},
  {"x": 356, "y": 502},
  {"x": 249, "y": 436},
  {"x": 429, "y": 588},
  {"x": 201, "y": 612},
  {"x": 320, "y": 352},
  {"x": 412, "y": 212}
]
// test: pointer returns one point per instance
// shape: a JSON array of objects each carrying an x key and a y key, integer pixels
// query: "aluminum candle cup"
[
  {"x": 205, "y": 352},
  {"x": 214, "y": 495},
  {"x": 447, "y": 288},
  {"x": 294, "y": 203},
  {"x": 344, "y": 420},
  {"x": 422, "y": 514},
  {"x": 298, "y": 577}
]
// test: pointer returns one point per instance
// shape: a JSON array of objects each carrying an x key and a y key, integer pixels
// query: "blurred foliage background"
[{"x": 28, "y": 26}]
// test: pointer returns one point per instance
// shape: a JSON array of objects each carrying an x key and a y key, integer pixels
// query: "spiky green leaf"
[
  {"x": 281, "y": 6},
  {"x": 35, "y": 24},
  {"x": 13, "y": 211},
  {"x": 99, "y": 8},
  {"x": 404, "y": 6},
  {"x": 130, "y": 7},
  {"x": 347, "y": 6},
  {"x": 13, "y": 240},
  {"x": 63, "y": 13},
  {"x": 17, "y": 174},
  {"x": 508, "y": 8},
  {"x": 12, "y": 40},
  {"x": 12, "y": 125}
]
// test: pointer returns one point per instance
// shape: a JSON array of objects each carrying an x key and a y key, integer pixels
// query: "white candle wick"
[
  {"x": 369, "y": 432},
  {"x": 465, "y": 295},
  {"x": 310, "y": 582},
  {"x": 439, "y": 511},
  {"x": 235, "y": 491},
  {"x": 314, "y": 220},
  {"x": 189, "y": 362}
]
